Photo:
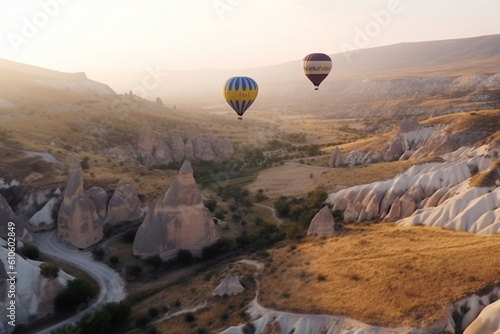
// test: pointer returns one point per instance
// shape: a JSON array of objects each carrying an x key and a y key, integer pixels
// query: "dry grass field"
[
  {"x": 381, "y": 274},
  {"x": 298, "y": 180}
]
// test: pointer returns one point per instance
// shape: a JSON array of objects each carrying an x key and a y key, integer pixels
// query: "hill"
[{"x": 420, "y": 78}]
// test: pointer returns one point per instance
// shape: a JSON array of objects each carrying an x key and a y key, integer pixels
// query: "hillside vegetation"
[{"x": 381, "y": 274}]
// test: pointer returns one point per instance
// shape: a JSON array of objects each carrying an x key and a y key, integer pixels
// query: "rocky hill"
[{"x": 457, "y": 191}]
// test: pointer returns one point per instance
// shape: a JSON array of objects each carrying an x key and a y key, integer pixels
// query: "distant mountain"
[
  {"x": 422, "y": 70},
  {"x": 22, "y": 85}
]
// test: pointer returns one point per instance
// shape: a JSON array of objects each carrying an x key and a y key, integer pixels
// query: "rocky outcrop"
[
  {"x": 229, "y": 286},
  {"x": 179, "y": 221},
  {"x": 336, "y": 160},
  {"x": 146, "y": 139},
  {"x": 488, "y": 321},
  {"x": 322, "y": 223},
  {"x": 43, "y": 220},
  {"x": 124, "y": 206},
  {"x": 77, "y": 220},
  {"x": 174, "y": 146},
  {"x": 100, "y": 198},
  {"x": 6, "y": 216},
  {"x": 35, "y": 294}
]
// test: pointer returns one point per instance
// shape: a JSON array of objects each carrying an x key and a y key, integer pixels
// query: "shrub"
[
  {"x": 153, "y": 312},
  {"x": 141, "y": 321},
  {"x": 184, "y": 257},
  {"x": 78, "y": 293},
  {"x": 189, "y": 317},
  {"x": 49, "y": 271},
  {"x": 98, "y": 254},
  {"x": 30, "y": 251},
  {"x": 210, "y": 204},
  {"x": 114, "y": 259},
  {"x": 321, "y": 277}
]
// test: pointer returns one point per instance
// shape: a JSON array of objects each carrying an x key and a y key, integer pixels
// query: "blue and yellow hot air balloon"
[{"x": 240, "y": 92}]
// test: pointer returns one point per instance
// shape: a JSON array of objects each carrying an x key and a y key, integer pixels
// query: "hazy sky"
[{"x": 98, "y": 36}]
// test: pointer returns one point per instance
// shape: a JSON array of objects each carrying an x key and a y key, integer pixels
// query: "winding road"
[
  {"x": 111, "y": 284},
  {"x": 273, "y": 211}
]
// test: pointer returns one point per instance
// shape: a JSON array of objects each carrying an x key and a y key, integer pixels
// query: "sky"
[{"x": 108, "y": 36}]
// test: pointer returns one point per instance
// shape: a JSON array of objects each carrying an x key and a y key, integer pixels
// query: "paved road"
[{"x": 111, "y": 284}]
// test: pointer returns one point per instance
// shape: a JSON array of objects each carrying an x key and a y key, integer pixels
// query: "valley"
[{"x": 188, "y": 220}]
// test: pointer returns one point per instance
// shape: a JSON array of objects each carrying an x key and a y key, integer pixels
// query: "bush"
[
  {"x": 30, "y": 251},
  {"x": 49, "y": 271},
  {"x": 78, "y": 293},
  {"x": 189, "y": 317},
  {"x": 154, "y": 260},
  {"x": 153, "y": 312},
  {"x": 98, "y": 254},
  {"x": 210, "y": 204},
  {"x": 184, "y": 257},
  {"x": 141, "y": 321},
  {"x": 114, "y": 260}
]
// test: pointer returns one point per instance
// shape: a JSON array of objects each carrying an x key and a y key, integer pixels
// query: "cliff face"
[
  {"x": 179, "y": 221},
  {"x": 77, "y": 220}
]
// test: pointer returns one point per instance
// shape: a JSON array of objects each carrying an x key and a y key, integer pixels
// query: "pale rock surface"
[
  {"x": 43, "y": 219},
  {"x": 322, "y": 223},
  {"x": 124, "y": 205},
  {"x": 77, "y": 220},
  {"x": 100, "y": 198},
  {"x": 179, "y": 221},
  {"x": 488, "y": 321},
  {"x": 229, "y": 286},
  {"x": 35, "y": 294}
]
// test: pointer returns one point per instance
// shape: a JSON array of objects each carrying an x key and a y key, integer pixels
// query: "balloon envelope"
[
  {"x": 240, "y": 92},
  {"x": 316, "y": 67}
]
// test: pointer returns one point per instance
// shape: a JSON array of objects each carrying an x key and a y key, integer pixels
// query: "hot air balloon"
[
  {"x": 316, "y": 67},
  {"x": 240, "y": 92}
]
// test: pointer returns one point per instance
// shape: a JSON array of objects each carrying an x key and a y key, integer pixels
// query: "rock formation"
[
  {"x": 77, "y": 220},
  {"x": 336, "y": 160},
  {"x": 124, "y": 206},
  {"x": 322, "y": 223},
  {"x": 488, "y": 321},
  {"x": 229, "y": 286},
  {"x": 174, "y": 146},
  {"x": 35, "y": 294},
  {"x": 179, "y": 221},
  {"x": 6, "y": 216},
  {"x": 43, "y": 220},
  {"x": 146, "y": 139},
  {"x": 100, "y": 198}
]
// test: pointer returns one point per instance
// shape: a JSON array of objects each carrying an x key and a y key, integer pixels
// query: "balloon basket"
[
  {"x": 240, "y": 118},
  {"x": 315, "y": 88}
]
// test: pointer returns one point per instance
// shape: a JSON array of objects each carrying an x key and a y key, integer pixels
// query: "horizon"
[{"x": 127, "y": 36}]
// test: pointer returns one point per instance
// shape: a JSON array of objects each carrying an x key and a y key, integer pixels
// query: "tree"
[
  {"x": 114, "y": 259},
  {"x": 30, "y": 251},
  {"x": 154, "y": 260},
  {"x": 282, "y": 206},
  {"x": 78, "y": 293}
]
